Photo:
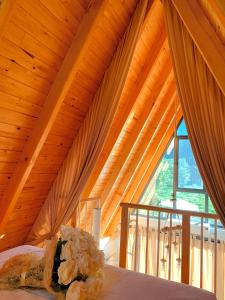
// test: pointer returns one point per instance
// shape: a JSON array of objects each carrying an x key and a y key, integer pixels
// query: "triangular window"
[{"x": 176, "y": 181}]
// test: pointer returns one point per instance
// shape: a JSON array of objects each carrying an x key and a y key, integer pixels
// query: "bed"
[{"x": 119, "y": 284}]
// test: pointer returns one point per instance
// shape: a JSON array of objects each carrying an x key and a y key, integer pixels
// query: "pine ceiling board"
[
  {"x": 43, "y": 15},
  {"x": 7, "y": 167},
  {"x": 19, "y": 105},
  {"x": 28, "y": 24},
  {"x": 8, "y": 116},
  {"x": 71, "y": 15},
  {"x": 80, "y": 96},
  {"x": 9, "y": 156},
  {"x": 62, "y": 131},
  {"x": 14, "y": 88},
  {"x": 22, "y": 57},
  {"x": 4, "y": 179},
  {"x": 26, "y": 42},
  {"x": 18, "y": 73},
  {"x": 71, "y": 5},
  {"x": 13, "y": 131},
  {"x": 57, "y": 140},
  {"x": 49, "y": 150},
  {"x": 10, "y": 144}
]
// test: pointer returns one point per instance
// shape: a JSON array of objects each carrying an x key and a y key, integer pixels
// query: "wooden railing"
[{"x": 131, "y": 213}]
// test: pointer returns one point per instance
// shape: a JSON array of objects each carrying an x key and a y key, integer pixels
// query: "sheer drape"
[
  {"x": 203, "y": 106},
  {"x": 208, "y": 258},
  {"x": 65, "y": 192}
]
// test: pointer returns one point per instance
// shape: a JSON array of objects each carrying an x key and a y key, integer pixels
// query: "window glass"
[
  {"x": 182, "y": 130},
  {"x": 211, "y": 209},
  {"x": 190, "y": 201},
  {"x": 188, "y": 173}
]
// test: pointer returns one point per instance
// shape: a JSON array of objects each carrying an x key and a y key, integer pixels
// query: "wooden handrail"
[{"x": 171, "y": 211}]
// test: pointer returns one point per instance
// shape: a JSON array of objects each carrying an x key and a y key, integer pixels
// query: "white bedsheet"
[{"x": 119, "y": 284}]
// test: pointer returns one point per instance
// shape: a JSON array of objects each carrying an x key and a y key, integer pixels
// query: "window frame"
[
  {"x": 176, "y": 188},
  {"x": 177, "y": 138}
]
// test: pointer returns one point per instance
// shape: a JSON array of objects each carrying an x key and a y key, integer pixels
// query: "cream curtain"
[
  {"x": 208, "y": 258},
  {"x": 66, "y": 190},
  {"x": 203, "y": 105}
]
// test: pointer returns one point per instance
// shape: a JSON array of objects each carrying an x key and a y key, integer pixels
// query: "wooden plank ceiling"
[
  {"x": 34, "y": 42},
  {"x": 35, "y": 38}
]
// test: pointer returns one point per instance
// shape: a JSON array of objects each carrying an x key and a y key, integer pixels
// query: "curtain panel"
[
  {"x": 73, "y": 175},
  {"x": 195, "y": 257},
  {"x": 203, "y": 105}
]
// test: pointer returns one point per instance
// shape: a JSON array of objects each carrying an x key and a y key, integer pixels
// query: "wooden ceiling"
[{"x": 46, "y": 43}]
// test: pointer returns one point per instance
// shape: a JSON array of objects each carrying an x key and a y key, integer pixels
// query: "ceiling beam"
[
  {"x": 131, "y": 92},
  {"x": 152, "y": 135},
  {"x": 53, "y": 102},
  {"x": 205, "y": 38},
  {"x": 143, "y": 174}
]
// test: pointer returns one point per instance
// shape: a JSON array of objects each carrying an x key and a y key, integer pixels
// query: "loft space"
[{"x": 112, "y": 120}]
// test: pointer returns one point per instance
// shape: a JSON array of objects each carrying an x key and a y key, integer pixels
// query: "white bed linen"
[{"x": 119, "y": 284}]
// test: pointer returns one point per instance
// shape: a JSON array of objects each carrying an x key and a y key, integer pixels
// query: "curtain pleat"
[
  {"x": 203, "y": 105},
  {"x": 195, "y": 258},
  {"x": 73, "y": 175}
]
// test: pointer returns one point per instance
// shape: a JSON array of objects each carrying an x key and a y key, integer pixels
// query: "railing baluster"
[
  {"x": 201, "y": 254},
  {"x": 146, "y": 254},
  {"x": 170, "y": 246},
  {"x": 124, "y": 237},
  {"x": 185, "y": 266},
  {"x": 158, "y": 245},
  {"x": 215, "y": 256},
  {"x": 136, "y": 242}
]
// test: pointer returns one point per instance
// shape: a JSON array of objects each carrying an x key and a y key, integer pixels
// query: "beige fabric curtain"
[
  {"x": 66, "y": 190},
  {"x": 203, "y": 106},
  {"x": 208, "y": 258}
]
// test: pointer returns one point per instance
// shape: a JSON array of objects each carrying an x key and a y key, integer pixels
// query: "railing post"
[
  {"x": 123, "y": 237},
  {"x": 185, "y": 266}
]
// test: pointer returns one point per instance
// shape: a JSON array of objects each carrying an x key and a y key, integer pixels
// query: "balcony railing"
[{"x": 172, "y": 231}]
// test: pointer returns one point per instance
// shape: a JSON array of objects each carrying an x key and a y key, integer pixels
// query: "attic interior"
[{"x": 112, "y": 119}]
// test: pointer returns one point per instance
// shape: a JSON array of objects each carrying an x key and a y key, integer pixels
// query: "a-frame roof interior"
[{"x": 46, "y": 90}]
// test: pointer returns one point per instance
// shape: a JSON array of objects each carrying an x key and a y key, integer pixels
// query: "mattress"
[{"x": 119, "y": 284}]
